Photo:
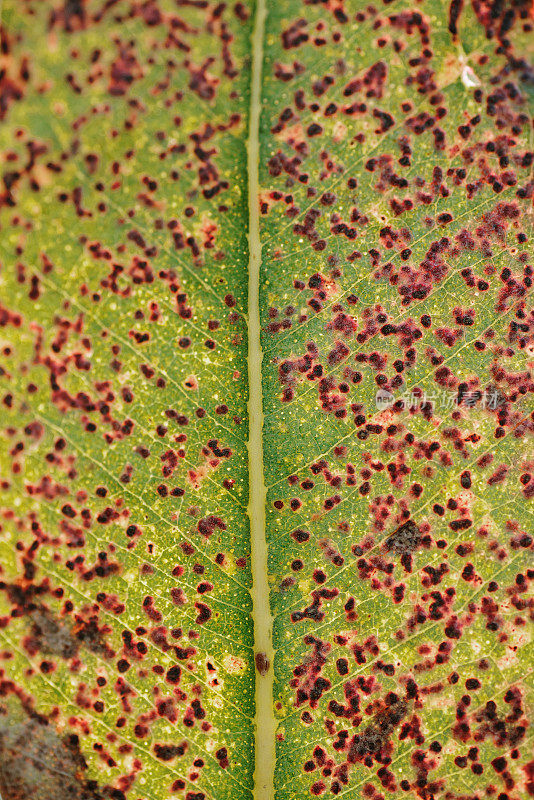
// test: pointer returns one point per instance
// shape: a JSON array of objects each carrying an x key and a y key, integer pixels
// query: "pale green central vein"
[{"x": 264, "y": 722}]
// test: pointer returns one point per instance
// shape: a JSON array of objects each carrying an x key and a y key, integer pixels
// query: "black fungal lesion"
[
  {"x": 367, "y": 745},
  {"x": 405, "y": 539}
]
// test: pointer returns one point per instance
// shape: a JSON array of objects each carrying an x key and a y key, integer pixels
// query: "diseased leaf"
[
  {"x": 396, "y": 195},
  {"x": 125, "y": 602},
  {"x": 395, "y": 302}
]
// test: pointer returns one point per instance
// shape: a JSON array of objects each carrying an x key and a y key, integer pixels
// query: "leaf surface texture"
[{"x": 395, "y": 224}]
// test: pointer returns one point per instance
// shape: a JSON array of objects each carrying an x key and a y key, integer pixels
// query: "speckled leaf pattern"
[
  {"x": 125, "y": 629},
  {"x": 396, "y": 179}
]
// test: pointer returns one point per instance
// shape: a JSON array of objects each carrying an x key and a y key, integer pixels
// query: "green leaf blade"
[
  {"x": 394, "y": 223},
  {"x": 126, "y": 575},
  {"x": 394, "y": 249}
]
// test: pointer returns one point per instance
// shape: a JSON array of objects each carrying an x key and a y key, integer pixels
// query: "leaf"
[
  {"x": 125, "y": 595},
  {"x": 397, "y": 304},
  {"x": 395, "y": 225}
]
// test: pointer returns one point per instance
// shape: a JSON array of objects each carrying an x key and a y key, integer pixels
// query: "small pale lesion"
[
  {"x": 456, "y": 65},
  {"x": 469, "y": 78},
  {"x": 234, "y": 665}
]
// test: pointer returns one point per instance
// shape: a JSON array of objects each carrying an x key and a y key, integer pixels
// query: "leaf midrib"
[{"x": 265, "y": 723}]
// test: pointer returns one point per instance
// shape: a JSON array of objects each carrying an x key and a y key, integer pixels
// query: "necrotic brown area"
[{"x": 36, "y": 761}]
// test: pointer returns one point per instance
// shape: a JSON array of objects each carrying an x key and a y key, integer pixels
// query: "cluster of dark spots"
[
  {"x": 208, "y": 525},
  {"x": 300, "y": 535},
  {"x": 125, "y": 69},
  {"x": 455, "y": 9},
  {"x": 13, "y": 79},
  {"x": 222, "y": 757},
  {"x": 331, "y": 552},
  {"x": 308, "y": 681},
  {"x": 173, "y": 675},
  {"x": 71, "y": 14},
  {"x": 25, "y": 594},
  {"x": 91, "y": 635},
  {"x": 51, "y": 634},
  {"x": 104, "y": 567},
  {"x": 498, "y": 18},
  {"x": 204, "y": 613},
  {"x": 287, "y": 583},
  {"x": 295, "y": 34},
  {"x": 167, "y": 752},
  {"x": 314, "y": 610},
  {"x": 506, "y": 727}
]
